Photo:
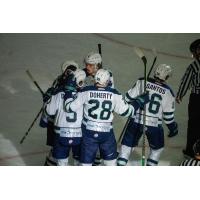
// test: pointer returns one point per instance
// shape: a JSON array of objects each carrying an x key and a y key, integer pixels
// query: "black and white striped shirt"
[
  {"x": 190, "y": 162},
  {"x": 191, "y": 79}
]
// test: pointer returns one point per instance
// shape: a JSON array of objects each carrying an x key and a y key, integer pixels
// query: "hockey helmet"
[
  {"x": 69, "y": 65},
  {"x": 163, "y": 72},
  {"x": 94, "y": 59},
  {"x": 102, "y": 77},
  {"x": 80, "y": 76}
]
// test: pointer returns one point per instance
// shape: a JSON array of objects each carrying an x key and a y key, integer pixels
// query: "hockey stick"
[
  {"x": 154, "y": 61},
  {"x": 99, "y": 49},
  {"x": 100, "y": 52},
  {"x": 124, "y": 129},
  {"x": 143, "y": 58},
  {"x": 34, "y": 81},
  {"x": 149, "y": 73},
  {"x": 27, "y": 132},
  {"x": 39, "y": 88},
  {"x": 139, "y": 52}
]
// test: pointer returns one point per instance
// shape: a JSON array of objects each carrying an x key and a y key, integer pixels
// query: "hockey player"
[
  {"x": 93, "y": 62},
  {"x": 67, "y": 126},
  {"x": 48, "y": 121},
  {"x": 99, "y": 103},
  {"x": 161, "y": 106},
  {"x": 66, "y": 69}
]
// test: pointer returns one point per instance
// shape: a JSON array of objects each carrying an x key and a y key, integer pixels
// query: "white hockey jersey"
[
  {"x": 99, "y": 105},
  {"x": 161, "y": 105},
  {"x": 67, "y": 124}
]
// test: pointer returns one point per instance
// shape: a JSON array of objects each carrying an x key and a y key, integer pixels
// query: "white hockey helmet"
[
  {"x": 80, "y": 76},
  {"x": 163, "y": 72},
  {"x": 71, "y": 64},
  {"x": 93, "y": 58},
  {"x": 102, "y": 77}
]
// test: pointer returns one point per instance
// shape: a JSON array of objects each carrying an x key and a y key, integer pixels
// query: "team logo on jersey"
[{"x": 96, "y": 135}]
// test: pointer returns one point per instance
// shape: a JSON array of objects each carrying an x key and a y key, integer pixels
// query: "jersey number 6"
[{"x": 154, "y": 104}]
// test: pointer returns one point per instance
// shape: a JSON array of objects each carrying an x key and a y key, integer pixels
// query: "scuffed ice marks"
[{"x": 18, "y": 82}]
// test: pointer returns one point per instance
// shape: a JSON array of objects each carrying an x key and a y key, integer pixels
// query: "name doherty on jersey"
[
  {"x": 156, "y": 88},
  {"x": 101, "y": 95}
]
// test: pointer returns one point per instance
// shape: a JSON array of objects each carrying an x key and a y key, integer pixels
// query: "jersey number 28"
[{"x": 105, "y": 107}]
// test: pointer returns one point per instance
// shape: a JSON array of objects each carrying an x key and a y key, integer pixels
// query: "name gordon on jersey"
[
  {"x": 156, "y": 88},
  {"x": 101, "y": 95}
]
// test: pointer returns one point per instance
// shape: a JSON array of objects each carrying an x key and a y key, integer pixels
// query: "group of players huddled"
[{"x": 78, "y": 114}]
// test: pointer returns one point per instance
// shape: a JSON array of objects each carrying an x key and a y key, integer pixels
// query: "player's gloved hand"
[
  {"x": 70, "y": 83},
  {"x": 47, "y": 95},
  {"x": 173, "y": 129},
  {"x": 43, "y": 123},
  {"x": 63, "y": 78},
  {"x": 140, "y": 101}
]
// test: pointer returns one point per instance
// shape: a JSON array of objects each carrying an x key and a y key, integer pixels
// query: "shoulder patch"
[{"x": 169, "y": 88}]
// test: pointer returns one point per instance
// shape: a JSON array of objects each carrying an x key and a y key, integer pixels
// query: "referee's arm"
[{"x": 185, "y": 84}]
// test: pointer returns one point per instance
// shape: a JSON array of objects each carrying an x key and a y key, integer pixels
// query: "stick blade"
[
  {"x": 139, "y": 52},
  {"x": 154, "y": 52}
]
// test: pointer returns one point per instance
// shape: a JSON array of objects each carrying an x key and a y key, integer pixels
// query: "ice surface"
[{"x": 42, "y": 54}]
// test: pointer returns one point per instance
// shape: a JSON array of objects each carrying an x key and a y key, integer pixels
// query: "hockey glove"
[
  {"x": 140, "y": 101},
  {"x": 48, "y": 94},
  {"x": 62, "y": 80},
  {"x": 173, "y": 129},
  {"x": 43, "y": 123},
  {"x": 70, "y": 83}
]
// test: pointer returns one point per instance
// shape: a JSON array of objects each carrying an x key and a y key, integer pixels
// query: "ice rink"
[{"x": 42, "y": 54}]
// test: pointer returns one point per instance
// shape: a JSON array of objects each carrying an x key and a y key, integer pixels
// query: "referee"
[
  {"x": 196, "y": 160},
  {"x": 191, "y": 80}
]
